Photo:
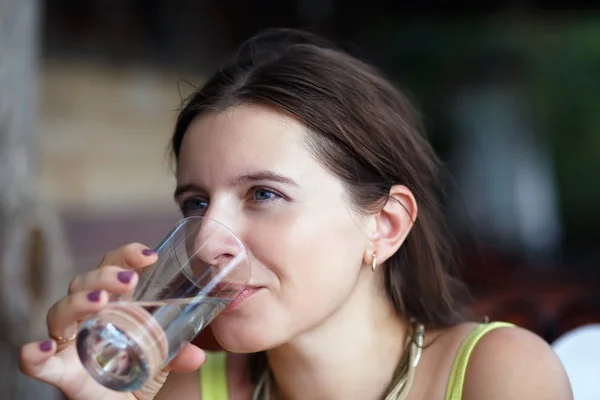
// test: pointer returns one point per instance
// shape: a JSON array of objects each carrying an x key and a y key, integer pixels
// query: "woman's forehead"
[
  {"x": 244, "y": 140},
  {"x": 247, "y": 127}
]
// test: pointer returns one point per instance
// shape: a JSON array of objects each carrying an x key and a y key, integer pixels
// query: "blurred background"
[{"x": 509, "y": 93}]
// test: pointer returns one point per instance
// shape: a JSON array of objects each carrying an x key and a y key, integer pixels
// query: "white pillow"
[{"x": 579, "y": 351}]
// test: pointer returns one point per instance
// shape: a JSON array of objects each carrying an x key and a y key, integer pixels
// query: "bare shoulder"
[{"x": 514, "y": 363}]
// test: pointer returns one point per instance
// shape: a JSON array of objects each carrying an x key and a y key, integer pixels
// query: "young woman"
[{"x": 318, "y": 164}]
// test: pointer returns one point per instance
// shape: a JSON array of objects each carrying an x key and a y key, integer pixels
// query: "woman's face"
[{"x": 248, "y": 168}]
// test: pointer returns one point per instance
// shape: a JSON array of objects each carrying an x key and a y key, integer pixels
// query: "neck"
[{"x": 354, "y": 354}]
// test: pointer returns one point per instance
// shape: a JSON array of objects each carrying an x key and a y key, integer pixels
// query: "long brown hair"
[{"x": 362, "y": 129}]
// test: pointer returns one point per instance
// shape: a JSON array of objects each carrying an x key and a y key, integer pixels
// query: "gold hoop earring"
[{"x": 374, "y": 262}]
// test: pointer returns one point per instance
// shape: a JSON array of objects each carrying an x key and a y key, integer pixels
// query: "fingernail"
[
  {"x": 94, "y": 296},
  {"x": 148, "y": 252},
  {"x": 46, "y": 346},
  {"x": 125, "y": 276}
]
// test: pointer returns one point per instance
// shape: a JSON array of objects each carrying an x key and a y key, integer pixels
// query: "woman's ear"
[{"x": 393, "y": 224}]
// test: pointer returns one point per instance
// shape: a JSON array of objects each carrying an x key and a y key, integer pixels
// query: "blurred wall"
[{"x": 104, "y": 136}]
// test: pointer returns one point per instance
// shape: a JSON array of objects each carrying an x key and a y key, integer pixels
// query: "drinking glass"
[{"x": 202, "y": 266}]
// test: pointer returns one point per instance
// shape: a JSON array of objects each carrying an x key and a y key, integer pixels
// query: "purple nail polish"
[
  {"x": 148, "y": 252},
  {"x": 94, "y": 296},
  {"x": 46, "y": 345},
  {"x": 125, "y": 276}
]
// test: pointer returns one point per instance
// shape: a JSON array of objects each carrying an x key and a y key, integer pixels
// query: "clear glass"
[{"x": 202, "y": 266}]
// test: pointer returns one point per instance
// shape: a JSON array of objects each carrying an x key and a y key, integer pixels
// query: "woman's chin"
[
  {"x": 244, "y": 340},
  {"x": 236, "y": 344}
]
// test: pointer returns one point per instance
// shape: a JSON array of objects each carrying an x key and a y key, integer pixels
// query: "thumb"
[
  {"x": 190, "y": 358},
  {"x": 38, "y": 361}
]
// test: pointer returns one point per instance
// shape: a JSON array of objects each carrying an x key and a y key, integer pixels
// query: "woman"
[{"x": 318, "y": 164}]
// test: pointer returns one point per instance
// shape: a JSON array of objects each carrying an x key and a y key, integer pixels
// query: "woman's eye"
[
  {"x": 263, "y": 195},
  {"x": 193, "y": 205}
]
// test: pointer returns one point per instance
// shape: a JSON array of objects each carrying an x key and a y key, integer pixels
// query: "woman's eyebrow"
[
  {"x": 259, "y": 176},
  {"x": 187, "y": 187}
]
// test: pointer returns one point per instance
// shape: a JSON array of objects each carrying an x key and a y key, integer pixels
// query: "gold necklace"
[{"x": 404, "y": 375}]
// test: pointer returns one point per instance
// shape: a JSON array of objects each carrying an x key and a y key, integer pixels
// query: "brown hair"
[{"x": 362, "y": 129}]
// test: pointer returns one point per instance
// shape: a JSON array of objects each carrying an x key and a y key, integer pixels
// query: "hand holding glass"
[{"x": 202, "y": 266}]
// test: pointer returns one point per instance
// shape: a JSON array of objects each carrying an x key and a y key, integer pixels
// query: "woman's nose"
[
  {"x": 218, "y": 256},
  {"x": 214, "y": 244}
]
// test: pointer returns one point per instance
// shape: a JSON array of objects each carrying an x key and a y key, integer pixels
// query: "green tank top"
[{"x": 213, "y": 373}]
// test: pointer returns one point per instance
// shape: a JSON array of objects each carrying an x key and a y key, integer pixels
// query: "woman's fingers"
[
  {"x": 63, "y": 317},
  {"x": 55, "y": 361},
  {"x": 43, "y": 361},
  {"x": 35, "y": 355},
  {"x": 110, "y": 278},
  {"x": 38, "y": 361},
  {"x": 190, "y": 358},
  {"x": 114, "y": 272},
  {"x": 132, "y": 256}
]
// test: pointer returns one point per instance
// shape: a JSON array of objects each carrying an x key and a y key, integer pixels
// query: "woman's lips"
[{"x": 244, "y": 295}]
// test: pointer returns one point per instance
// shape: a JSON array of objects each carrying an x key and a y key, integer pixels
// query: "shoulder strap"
[
  {"x": 213, "y": 377},
  {"x": 459, "y": 369}
]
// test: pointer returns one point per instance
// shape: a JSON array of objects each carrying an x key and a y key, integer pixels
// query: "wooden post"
[{"x": 35, "y": 266}]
